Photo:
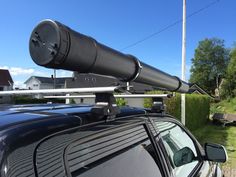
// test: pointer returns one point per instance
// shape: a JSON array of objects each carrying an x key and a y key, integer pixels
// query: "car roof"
[
  {"x": 24, "y": 127},
  {"x": 17, "y": 114}
]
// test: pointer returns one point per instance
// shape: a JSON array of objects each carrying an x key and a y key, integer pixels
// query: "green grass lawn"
[
  {"x": 222, "y": 135},
  {"x": 225, "y": 106}
]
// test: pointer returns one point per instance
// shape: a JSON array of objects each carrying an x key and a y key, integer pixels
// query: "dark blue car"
[{"x": 69, "y": 141}]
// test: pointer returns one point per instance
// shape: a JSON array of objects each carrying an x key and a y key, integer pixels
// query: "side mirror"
[
  {"x": 183, "y": 156},
  {"x": 215, "y": 152}
]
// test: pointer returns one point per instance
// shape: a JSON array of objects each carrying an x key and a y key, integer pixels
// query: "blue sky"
[{"x": 116, "y": 24}]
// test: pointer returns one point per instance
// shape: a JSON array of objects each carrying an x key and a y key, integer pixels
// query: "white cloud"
[
  {"x": 42, "y": 73},
  {"x": 20, "y": 74},
  {"x": 19, "y": 84},
  {"x": 16, "y": 71},
  {"x": 62, "y": 73}
]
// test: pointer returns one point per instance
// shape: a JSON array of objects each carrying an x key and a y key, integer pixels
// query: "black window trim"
[{"x": 163, "y": 166}]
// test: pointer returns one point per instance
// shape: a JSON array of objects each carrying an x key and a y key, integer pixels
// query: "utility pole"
[
  {"x": 54, "y": 79},
  {"x": 183, "y": 61}
]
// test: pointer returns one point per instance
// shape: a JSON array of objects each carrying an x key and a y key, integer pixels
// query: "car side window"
[
  {"x": 179, "y": 147},
  {"x": 135, "y": 162},
  {"x": 124, "y": 152}
]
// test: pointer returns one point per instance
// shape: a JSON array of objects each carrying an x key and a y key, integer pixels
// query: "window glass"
[
  {"x": 136, "y": 162},
  {"x": 127, "y": 152},
  {"x": 179, "y": 147}
]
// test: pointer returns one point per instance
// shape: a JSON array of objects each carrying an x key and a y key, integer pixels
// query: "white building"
[{"x": 37, "y": 83}]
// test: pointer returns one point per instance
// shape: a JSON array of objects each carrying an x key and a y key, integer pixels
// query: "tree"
[
  {"x": 228, "y": 88},
  {"x": 209, "y": 63}
]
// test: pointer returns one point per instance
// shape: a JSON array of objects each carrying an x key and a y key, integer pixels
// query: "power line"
[{"x": 169, "y": 26}]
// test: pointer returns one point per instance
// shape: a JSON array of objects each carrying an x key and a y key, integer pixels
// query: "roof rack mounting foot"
[
  {"x": 158, "y": 105},
  {"x": 105, "y": 106}
]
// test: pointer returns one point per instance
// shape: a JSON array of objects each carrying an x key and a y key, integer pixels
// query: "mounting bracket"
[
  {"x": 105, "y": 106},
  {"x": 158, "y": 105}
]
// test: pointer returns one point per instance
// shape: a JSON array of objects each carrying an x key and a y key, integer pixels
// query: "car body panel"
[{"x": 35, "y": 138}]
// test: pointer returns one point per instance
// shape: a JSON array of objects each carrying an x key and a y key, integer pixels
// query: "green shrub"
[
  {"x": 148, "y": 101},
  {"x": 172, "y": 104},
  {"x": 120, "y": 102},
  {"x": 72, "y": 101},
  {"x": 197, "y": 108}
]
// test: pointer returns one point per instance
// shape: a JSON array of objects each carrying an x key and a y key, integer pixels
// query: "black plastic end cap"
[{"x": 44, "y": 43}]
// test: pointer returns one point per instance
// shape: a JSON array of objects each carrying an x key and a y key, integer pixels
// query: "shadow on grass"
[{"x": 219, "y": 134}]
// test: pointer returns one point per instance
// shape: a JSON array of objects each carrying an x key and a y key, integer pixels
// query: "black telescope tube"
[{"x": 54, "y": 45}]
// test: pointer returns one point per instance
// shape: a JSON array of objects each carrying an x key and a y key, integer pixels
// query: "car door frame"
[{"x": 200, "y": 151}]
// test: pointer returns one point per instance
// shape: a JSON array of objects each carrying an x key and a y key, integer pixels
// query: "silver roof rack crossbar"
[
  {"x": 116, "y": 96},
  {"x": 60, "y": 91},
  {"x": 101, "y": 95}
]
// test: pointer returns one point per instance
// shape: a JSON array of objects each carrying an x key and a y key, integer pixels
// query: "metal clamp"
[
  {"x": 138, "y": 68},
  {"x": 180, "y": 84}
]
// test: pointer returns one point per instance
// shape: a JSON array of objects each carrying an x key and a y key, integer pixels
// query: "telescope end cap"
[{"x": 44, "y": 42}]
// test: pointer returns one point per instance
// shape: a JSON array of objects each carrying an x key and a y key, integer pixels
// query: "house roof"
[
  {"x": 48, "y": 80},
  {"x": 195, "y": 88},
  {"x": 5, "y": 78},
  {"x": 82, "y": 80}
]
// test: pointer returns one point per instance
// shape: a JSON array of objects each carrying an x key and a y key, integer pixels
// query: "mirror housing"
[
  {"x": 215, "y": 153},
  {"x": 183, "y": 156}
]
